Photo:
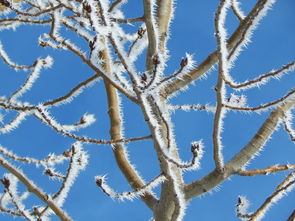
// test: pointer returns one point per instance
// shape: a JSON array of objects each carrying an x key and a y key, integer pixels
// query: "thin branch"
[
  {"x": 50, "y": 160},
  {"x": 52, "y": 124},
  {"x": 266, "y": 171},
  {"x": 195, "y": 107},
  {"x": 128, "y": 21},
  {"x": 262, "y": 79},
  {"x": 73, "y": 92},
  {"x": 236, "y": 9},
  {"x": 139, "y": 192},
  {"x": 288, "y": 125},
  {"x": 288, "y": 96},
  {"x": 26, "y": 20},
  {"x": 115, "y": 4}
]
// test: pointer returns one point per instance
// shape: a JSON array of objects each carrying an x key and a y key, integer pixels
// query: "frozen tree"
[{"x": 130, "y": 58}]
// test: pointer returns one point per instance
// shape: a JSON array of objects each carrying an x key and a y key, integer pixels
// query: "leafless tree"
[{"x": 110, "y": 51}]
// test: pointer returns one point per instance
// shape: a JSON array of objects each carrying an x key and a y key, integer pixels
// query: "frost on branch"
[{"x": 101, "y": 183}]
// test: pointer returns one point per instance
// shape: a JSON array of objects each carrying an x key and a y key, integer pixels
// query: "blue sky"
[{"x": 192, "y": 31}]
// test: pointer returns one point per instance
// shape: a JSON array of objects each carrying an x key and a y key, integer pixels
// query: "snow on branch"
[
  {"x": 50, "y": 160},
  {"x": 101, "y": 183},
  {"x": 138, "y": 45},
  {"x": 12, "y": 125},
  {"x": 195, "y": 107},
  {"x": 116, "y": 4},
  {"x": 262, "y": 79},
  {"x": 8, "y": 61},
  {"x": 283, "y": 188},
  {"x": 290, "y": 96},
  {"x": 242, "y": 207},
  {"x": 74, "y": 92},
  {"x": 235, "y": 5},
  {"x": 44, "y": 115},
  {"x": 78, "y": 162},
  {"x": 220, "y": 89},
  {"x": 186, "y": 64},
  {"x": 287, "y": 120},
  {"x": 40, "y": 63}
]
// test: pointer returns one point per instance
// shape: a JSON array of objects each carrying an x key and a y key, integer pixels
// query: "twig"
[
  {"x": 264, "y": 106},
  {"x": 266, "y": 171},
  {"x": 236, "y": 9},
  {"x": 100, "y": 182},
  {"x": 114, "y": 5},
  {"x": 128, "y": 21},
  {"x": 262, "y": 79},
  {"x": 48, "y": 120}
]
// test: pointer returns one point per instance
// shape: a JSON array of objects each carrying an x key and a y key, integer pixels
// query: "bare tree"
[{"x": 110, "y": 50}]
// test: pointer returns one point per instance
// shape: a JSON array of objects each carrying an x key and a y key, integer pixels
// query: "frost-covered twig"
[
  {"x": 241, "y": 208},
  {"x": 13, "y": 124},
  {"x": 100, "y": 182},
  {"x": 236, "y": 9},
  {"x": 8, "y": 61},
  {"x": 51, "y": 159},
  {"x": 75, "y": 91},
  {"x": 45, "y": 116},
  {"x": 40, "y": 63},
  {"x": 262, "y": 79},
  {"x": 39, "y": 13},
  {"x": 195, "y": 107},
  {"x": 115, "y": 4},
  {"x": 78, "y": 162},
  {"x": 223, "y": 64},
  {"x": 11, "y": 21},
  {"x": 266, "y": 171},
  {"x": 128, "y": 21},
  {"x": 265, "y": 107}
]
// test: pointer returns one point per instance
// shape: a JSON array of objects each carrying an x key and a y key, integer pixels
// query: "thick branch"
[{"x": 125, "y": 166}]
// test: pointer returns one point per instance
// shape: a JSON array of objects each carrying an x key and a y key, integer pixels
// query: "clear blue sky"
[{"x": 192, "y": 31}]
